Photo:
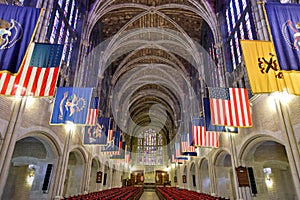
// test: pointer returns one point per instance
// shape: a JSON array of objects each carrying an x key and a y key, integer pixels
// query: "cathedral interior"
[{"x": 151, "y": 63}]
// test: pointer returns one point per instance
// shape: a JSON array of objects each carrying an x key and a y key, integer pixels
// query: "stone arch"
[
  {"x": 33, "y": 166},
  {"x": 192, "y": 177},
  {"x": 95, "y": 168},
  {"x": 204, "y": 178},
  {"x": 224, "y": 177},
  {"x": 267, "y": 158},
  {"x": 74, "y": 180}
]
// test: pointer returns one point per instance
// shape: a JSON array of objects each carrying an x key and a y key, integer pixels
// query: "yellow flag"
[
  {"x": 262, "y": 66},
  {"x": 292, "y": 81}
]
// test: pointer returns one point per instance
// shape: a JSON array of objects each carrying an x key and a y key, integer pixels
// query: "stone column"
[
  {"x": 9, "y": 141},
  {"x": 62, "y": 165}
]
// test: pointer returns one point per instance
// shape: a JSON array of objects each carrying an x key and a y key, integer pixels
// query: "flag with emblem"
[
  {"x": 262, "y": 66},
  {"x": 93, "y": 112},
  {"x": 71, "y": 105},
  {"x": 97, "y": 134},
  {"x": 230, "y": 107},
  {"x": 264, "y": 72},
  {"x": 121, "y": 153},
  {"x": 284, "y": 22},
  {"x": 38, "y": 74},
  {"x": 113, "y": 147},
  {"x": 17, "y": 27}
]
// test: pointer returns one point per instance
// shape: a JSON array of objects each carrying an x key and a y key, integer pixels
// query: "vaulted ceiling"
[{"x": 150, "y": 60}]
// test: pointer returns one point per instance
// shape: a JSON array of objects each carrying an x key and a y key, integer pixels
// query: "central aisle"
[{"x": 149, "y": 195}]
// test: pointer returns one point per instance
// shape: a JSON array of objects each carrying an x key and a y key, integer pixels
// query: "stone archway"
[
  {"x": 204, "y": 177},
  {"x": 31, "y": 171},
  {"x": 192, "y": 178},
  {"x": 224, "y": 176},
  {"x": 95, "y": 166},
  {"x": 269, "y": 162},
  {"x": 74, "y": 174}
]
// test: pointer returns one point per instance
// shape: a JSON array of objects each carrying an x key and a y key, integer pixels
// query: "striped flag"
[
  {"x": 110, "y": 131},
  {"x": 211, "y": 139},
  {"x": 185, "y": 146},
  {"x": 177, "y": 151},
  {"x": 178, "y": 160},
  {"x": 230, "y": 107},
  {"x": 92, "y": 118},
  {"x": 127, "y": 155},
  {"x": 197, "y": 130},
  {"x": 38, "y": 74}
]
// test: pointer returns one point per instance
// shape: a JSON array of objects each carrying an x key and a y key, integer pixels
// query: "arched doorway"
[
  {"x": 204, "y": 178},
  {"x": 269, "y": 162},
  {"x": 106, "y": 176},
  {"x": 185, "y": 178},
  {"x": 224, "y": 176},
  {"x": 192, "y": 178},
  {"x": 95, "y": 166},
  {"x": 74, "y": 174},
  {"x": 30, "y": 174}
]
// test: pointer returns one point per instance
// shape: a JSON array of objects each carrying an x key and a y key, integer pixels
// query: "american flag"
[
  {"x": 230, "y": 107},
  {"x": 185, "y": 144},
  {"x": 127, "y": 155},
  {"x": 110, "y": 131},
  {"x": 211, "y": 139},
  {"x": 115, "y": 146},
  {"x": 197, "y": 131},
  {"x": 177, "y": 159},
  {"x": 38, "y": 74},
  {"x": 177, "y": 151},
  {"x": 92, "y": 118}
]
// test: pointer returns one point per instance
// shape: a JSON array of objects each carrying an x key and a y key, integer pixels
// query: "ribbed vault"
[{"x": 150, "y": 57}]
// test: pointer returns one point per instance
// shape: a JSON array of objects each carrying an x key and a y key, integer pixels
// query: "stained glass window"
[
  {"x": 62, "y": 26},
  {"x": 149, "y": 150},
  {"x": 239, "y": 25}
]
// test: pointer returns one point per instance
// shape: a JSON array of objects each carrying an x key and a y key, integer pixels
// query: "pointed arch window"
[
  {"x": 239, "y": 25},
  {"x": 150, "y": 148}
]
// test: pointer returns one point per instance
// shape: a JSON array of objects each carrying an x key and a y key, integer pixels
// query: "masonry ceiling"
[{"x": 192, "y": 20}]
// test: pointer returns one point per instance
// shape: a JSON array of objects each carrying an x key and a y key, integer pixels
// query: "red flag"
[{"x": 230, "y": 107}]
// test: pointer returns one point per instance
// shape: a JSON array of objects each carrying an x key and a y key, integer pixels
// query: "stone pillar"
[
  {"x": 292, "y": 149},
  {"x": 63, "y": 165},
  {"x": 9, "y": 141}
]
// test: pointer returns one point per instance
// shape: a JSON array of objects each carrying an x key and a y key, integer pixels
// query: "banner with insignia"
[
  {"x": 17, "y": 26},
  {"x": 284, "y": 22},
  {"x": 71, "y": 105},
  {"x": 113, "y": 148},
  {"x": 97, "y": 134},
  {"x": 264, "y": 72}
]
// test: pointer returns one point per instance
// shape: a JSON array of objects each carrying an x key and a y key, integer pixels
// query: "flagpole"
[{"x": 10, "y": 137}]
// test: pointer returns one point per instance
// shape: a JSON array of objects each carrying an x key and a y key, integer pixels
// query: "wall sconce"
[{"x": 267, "y": 172}]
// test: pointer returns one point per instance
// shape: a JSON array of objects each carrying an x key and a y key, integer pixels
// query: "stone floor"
[{"x": 149, "y": 195}]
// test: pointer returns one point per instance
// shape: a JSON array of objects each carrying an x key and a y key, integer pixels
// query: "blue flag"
[
  {"x": 113, "y": 146},
  {"x": 122, "y": 152},
  {"x": 17, "y": 25},
  {"x": 97, "y": 134},
  {"x": 209, "y": 125},
  {"x": 284, "y": 21},
  {"x": 71, "y": 105}
]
